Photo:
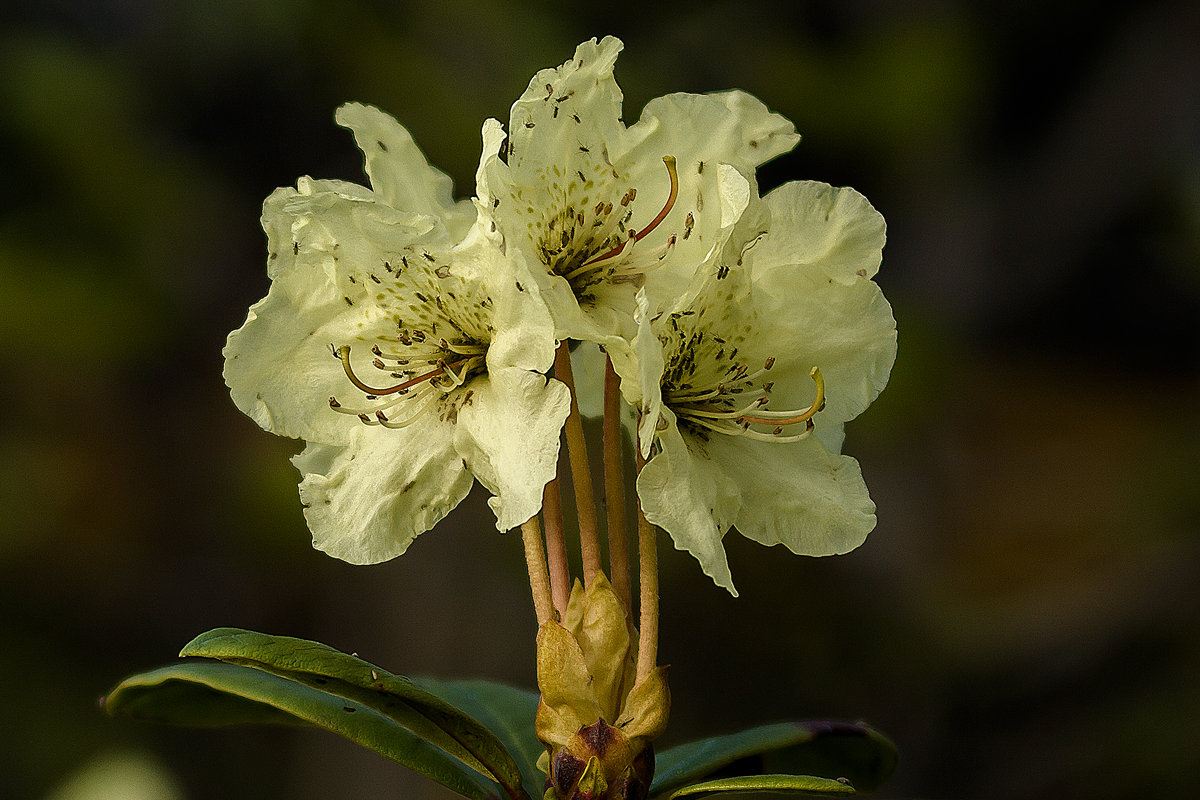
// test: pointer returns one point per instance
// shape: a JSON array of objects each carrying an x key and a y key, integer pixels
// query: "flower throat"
[
  {"x": 453, "y": 365},
  {"x": 596, "y": 245}
]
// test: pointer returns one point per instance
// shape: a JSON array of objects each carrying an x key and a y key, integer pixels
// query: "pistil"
[{"x": 637, "y": 236}]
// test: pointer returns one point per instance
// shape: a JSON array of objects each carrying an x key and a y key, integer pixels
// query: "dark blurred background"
[{"x": 1024, "y": 621}]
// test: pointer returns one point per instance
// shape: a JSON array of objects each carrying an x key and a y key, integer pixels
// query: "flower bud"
[{"x": 595, "y": 717}]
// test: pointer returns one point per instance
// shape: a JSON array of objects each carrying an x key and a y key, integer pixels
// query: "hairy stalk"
[
  {"x": 556, "y": 543},
  {"x": 581, "y": 473},
  {"x": 648, "y": 588},
  {"x": 539, "y": 578},
  {"x": 614, "y": 489}
]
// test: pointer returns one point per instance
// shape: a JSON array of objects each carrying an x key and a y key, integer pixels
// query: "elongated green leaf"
[
  {"x": 396, "y": 697},
  {"x": 183, "y": 693},
  {"x": 850, "y": 750},
  {"x": 507, "y": 711},
  {"x": 773, "y": 784},
  {"x": 685, "y": 763},
  {"x": 841, "y": 749},
  {"x": 166, "y": 695}
]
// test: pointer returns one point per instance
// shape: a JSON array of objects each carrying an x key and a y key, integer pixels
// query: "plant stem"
[
  {"x": 539, "y": 578},
  {"x": 614, "y": 489},
  {"x": 556, "y": 544},
  {"x": 581, "y": 473},
  {"x": 648, "y": 588}
]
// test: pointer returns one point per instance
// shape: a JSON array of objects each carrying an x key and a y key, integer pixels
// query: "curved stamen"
[
  {"x": 456, "y": 379},
  {"x": 590, "y": 264},
  {"x": 705, "y": 392},
  {"x": 738, "y": 430},
  {"x": 453, "y": 347},
  {"x": 654, "y": 223},
  {"x": 792, "y": 417},
  {"x": 343, "y": 354},
  {"x": 687, "y": 411},
  {"x": 412, "y": 417},
  {"x": 401, "y": 397},
  {"x": 701, "y": 393},
  {"x": 694, "y": 395},
  {"x": 669, "y": 161},
  {"x": 467, "y": 349},
  {"x": 660, "y": 253}
]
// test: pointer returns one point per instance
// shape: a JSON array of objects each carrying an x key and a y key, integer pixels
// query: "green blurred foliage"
[{"x": 1023, "y": 622}]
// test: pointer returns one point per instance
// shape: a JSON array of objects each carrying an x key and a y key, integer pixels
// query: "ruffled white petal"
[
  {"x": 366, "y": 501},
  {"x": 719, "y": 128},
  {"x": 643, "y": 389},
  {"x": 399, "y": 172},
  {"x": 702, "y": 132},
  {"x": 279, "y": 365},
  {"x": 605, "y": 320},
  {"x": 560, "y": 134},
  {"x": 820, "y": 227},
  {"x": 686, "y": 493},
  {"x": 811, "y": 278},
  {"x": 845, "y": 329},
  {"x": 797, "y": 494},
  {"x": 524, "y": 333},
  {"x": 290, "y": 401},
  {"x": 493, "y": 136},
  {"x": 508, "y": 434},
  {"x": 765, "y": 134},
  {"x": 578, "y": 103},
  {"x": 734, "y": 216}
]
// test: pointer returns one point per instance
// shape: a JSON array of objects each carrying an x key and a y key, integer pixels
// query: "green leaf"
[
  {"x": 424, "y": 713},
  {"x": 187, "y": 694},
  {"x": 841, "y": 749},
  {"x": 206, "y": 692},
  {"x": 507, "y": 711},
  {"x": 774, "y": 784}
]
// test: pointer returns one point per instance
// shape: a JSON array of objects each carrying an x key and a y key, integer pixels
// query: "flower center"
[
  {"x": 427, "y": 371},
  {"x": 595, "y": 245},
  {"x": 735, "y": 400}
]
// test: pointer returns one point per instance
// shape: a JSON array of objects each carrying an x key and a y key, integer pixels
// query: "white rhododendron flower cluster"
[{"x": 407, "y": 337}]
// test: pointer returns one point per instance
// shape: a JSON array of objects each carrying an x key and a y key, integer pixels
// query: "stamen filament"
[
  {"x": 591, "y": 263},
  {"x": 413, "y": 415},
  {"x": 401, "y": 397},
  {"x": 467, "y": 349},
  {"x": 654, "y": 223},
  {"x": 737, "y": 414},
  {"x": 693, "y": 395},
  {"x": 453, "y": 347},
  {"x": 454, "y": 377},
  {"x": 696, "y": 395},
  {"x": 738, "y": 430},
  {"x": 706, "y": 393},
  {"x": 343, "y": 353},
  {"x": 790, "y": 417},
  {"x": 641, "y": 267}
]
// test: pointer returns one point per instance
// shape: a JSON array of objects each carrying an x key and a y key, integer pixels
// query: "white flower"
[
  {"x": 403, "y": 347},
  {"x": 594, "y": 207},
  {"x": 745, "y": 383}
]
